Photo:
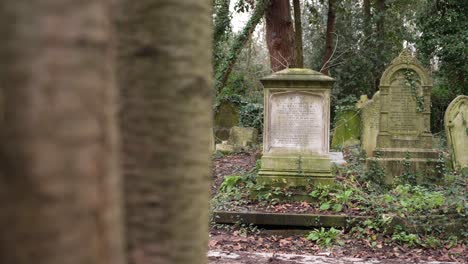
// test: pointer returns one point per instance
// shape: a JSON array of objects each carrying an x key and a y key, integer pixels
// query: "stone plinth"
[
  {"x": 404, "y": 120},
  {"x": 456, "y": 130},
  {"x": 296, "y": 129}
]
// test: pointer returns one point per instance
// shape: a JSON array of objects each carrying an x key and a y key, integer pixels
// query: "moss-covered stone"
[
  {"x": 243, "y": 136},
  {"x": 296, "y": 132},
  {"x": 347, "y": 129},
  {"x": 226, "y": 116},
  {"x": 404, "y": 115},
  {"x": 456, "y": 130}
]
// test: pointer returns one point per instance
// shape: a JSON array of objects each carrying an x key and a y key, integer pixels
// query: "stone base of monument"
[
  {"x": 395, "y": 162},
  {"x": 287, "y": 171}
]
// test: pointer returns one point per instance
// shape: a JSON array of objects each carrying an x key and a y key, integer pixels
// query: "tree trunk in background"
[
  {"x": 367, "y": 18},
  {"x": 329, "y": 36},
  {"x": 298, "y": 34},
  {"x": 164, "y": 71},
  {"x": 380, "y": 65},
  {"x": 224, "y": 69},
  {"x": 59, "y": 182},
  {"x": 222, "y": 28},
  {"x": 280, "y": 35}
]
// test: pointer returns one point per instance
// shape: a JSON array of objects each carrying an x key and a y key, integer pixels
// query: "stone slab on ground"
[
  {"x": 216, "y": 257},
  {"x": 286, "y": 219}
]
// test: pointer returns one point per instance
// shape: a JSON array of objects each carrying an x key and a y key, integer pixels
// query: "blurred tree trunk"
[
  {"x": 280, "y": 35},
  {"x": 329, "y": 36},
  {"x": 298, "y": 34},
  {"x": 164, "y": 71},
  {"x": 59, "y": 182}
]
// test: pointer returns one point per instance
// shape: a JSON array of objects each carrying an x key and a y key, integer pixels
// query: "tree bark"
[
  {"x": 224, "y": 69},
  {"x": 221, "y": 30},
  {"x": 164, "y": 71},
  {"x": 59, "y": 182},
  {"x": 367, "y": 18},
  {"x": 298, "y": 34},
  {"x": 381, "y": 24},
  {"x": 280, "y": 35},
  {"x": 380, "y": 65},
  {"x": 329, "y": 36}
]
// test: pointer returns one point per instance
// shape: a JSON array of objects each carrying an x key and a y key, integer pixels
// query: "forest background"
[{"x": 352, "y": 41}]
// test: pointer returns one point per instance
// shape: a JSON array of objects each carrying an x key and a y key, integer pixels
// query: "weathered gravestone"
[
  {"x": 243, "y": 136},
  {"x": 296, "y": 129},
  {"x": 240, "y": 138},
  {"x": 404, "y": 139},
  {"x": 347, "y": 129},
  {"x": 370, "y": 117},
  {"x": 456, "y": 129},
  {"x": 226, "y": 116}
]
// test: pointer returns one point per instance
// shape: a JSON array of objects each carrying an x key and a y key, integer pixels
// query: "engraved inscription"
[
  {"x": 296, "y": 121},
  {"x": 403, "y": 117}
]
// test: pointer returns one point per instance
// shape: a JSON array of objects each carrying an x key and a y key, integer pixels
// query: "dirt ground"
[{"x": 242, "y": 241}]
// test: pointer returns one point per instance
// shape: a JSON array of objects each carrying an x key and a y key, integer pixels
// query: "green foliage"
[
  {"x": 411, "y": 80},
  {"x": 251, "y": 115},
  {"x": 408, "y": 176},
  {"x": 375, "y": 175},
  {"x": 224, "y": 68},
  {"x": 443, "y": 26},
  {"x": 325, "y": 238},
  {"x": 409, "y": 199},
  {"x": 406, "y": 239},
  {"x": 334, "y": 197}
]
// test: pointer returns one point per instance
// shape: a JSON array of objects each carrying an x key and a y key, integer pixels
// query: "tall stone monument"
[
  {"x": 404, "y": 135},
  {"x": 456, "y": 130},
  {"x": 296, "y": 129}
]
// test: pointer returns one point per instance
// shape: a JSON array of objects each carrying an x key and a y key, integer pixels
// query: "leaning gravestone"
[
  {"x": 404, "y": 139},
  {"x": 370, "y": 117},
  {"x": 226, "y": 116},
  {"x": 456, "y": 129},
  {"x": 347, "y": 129},
  {"x": 296, "y": 129}
]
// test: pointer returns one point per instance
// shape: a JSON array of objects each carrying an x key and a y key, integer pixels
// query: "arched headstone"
[
  {"x": 456, "y": 130},
  {"x": 404, "y": 140}
]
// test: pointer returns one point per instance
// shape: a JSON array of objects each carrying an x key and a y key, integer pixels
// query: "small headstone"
[
  {"x": 226, "y": 116},
  {"x": 404, "y": 141},
  {"x": 456, "y": 130},
  {"x": 225, "y": 148},
  {"x": 362, "y": 101},
  {"x": 347, "y": 129},
  {"x": 370, "y": 115},
  {"x": 296, "y": 129},
  {"x": 243, "y": 136}
]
